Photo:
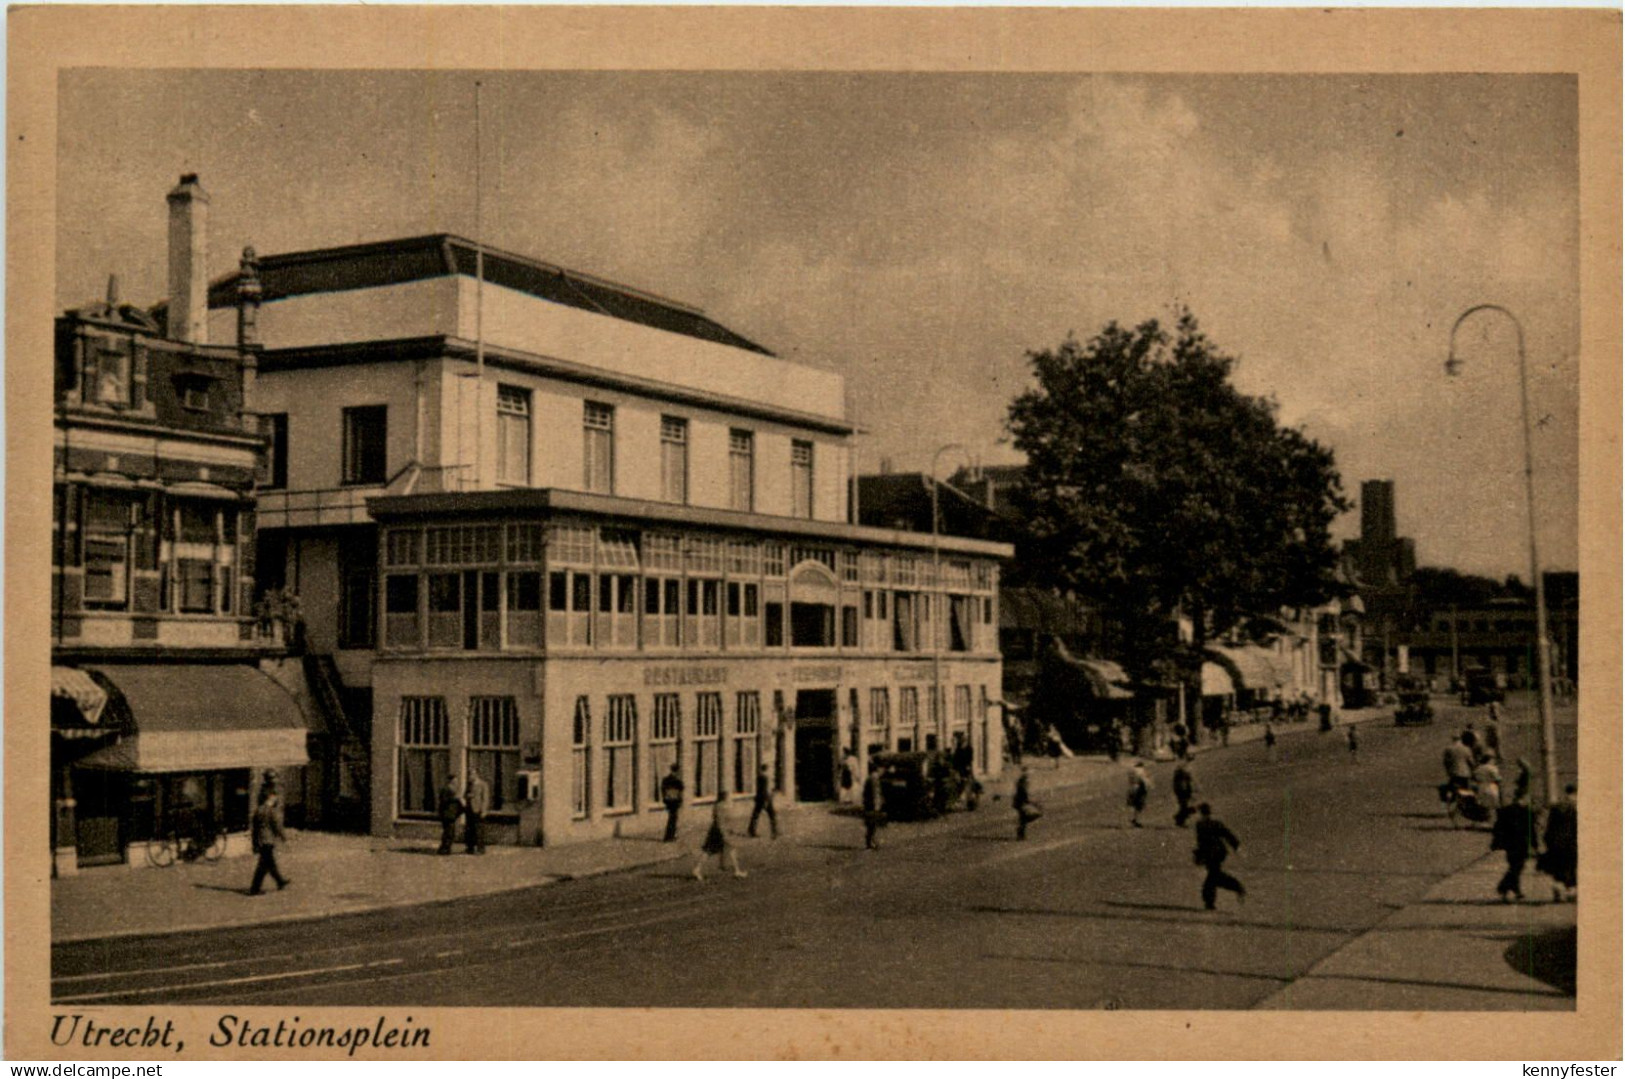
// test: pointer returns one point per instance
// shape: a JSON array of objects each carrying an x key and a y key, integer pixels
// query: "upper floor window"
[
  {"x": 273, "y": 463},
  {"x": 109, "y": 533},
  {"x": 598, "y": 447},
  {"x": 674, "y": 459},
  {"x": 513, "y": 435},
  {"x": 801, "y": 479},
  {"x": 107, "y": 371},
  {"x": 741, "y": 470},
  {"x": 365, "y": 430}
]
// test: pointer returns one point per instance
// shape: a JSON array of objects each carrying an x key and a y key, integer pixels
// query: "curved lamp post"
[
  {"x": 939, "y": 707},
  {"x": 1543, "y": 671}
]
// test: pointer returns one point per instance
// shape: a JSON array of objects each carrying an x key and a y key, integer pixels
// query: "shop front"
[{"x": 173, "y": 750}]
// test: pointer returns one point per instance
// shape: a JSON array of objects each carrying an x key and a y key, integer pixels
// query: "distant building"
[
  {"x": 1499, "y": 636},
  {"x": 991, "y": 485}
]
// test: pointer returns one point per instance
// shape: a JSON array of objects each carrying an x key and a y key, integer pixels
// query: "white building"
[{"x": 566, "y": 533}]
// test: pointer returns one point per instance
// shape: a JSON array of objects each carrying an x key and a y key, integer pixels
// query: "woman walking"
[{"x": 716, "y": 842}]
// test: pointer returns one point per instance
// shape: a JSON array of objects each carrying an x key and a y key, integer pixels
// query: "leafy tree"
[{"x": 1154, "y": 487}]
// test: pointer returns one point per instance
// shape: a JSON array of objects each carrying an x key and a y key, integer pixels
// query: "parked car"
[
  {"x": 921, "y": 785},
  {"x": 1481, "y": 686}
]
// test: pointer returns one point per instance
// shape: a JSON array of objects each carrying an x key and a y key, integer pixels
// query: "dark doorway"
[
  {"x": 101, "y": 796},
  {"x": 815, "y": 745}
]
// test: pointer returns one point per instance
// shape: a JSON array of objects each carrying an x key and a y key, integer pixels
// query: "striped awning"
[
  {"x": 1250, "y": 667},
  {"x": 201, "y": 718},
  {"x": 78, "y": 688}
]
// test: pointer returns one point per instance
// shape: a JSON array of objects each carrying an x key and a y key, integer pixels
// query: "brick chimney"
[{"x": 188, "y": 272}]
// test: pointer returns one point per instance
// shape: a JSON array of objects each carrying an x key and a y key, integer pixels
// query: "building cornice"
[
  {"x": 552, "y": 500},
  {"x": 457, "y": 348},
  {"x": 153, "y": 429}
]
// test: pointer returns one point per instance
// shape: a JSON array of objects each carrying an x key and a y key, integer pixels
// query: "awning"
[
  {"x": 77, "y": 687},
  {"x": 1106, "y": 679},
  {"x": 1216, "y": 681},
  {"x": 1250, "y": 667},
  {"x": 202, "y": 718}
]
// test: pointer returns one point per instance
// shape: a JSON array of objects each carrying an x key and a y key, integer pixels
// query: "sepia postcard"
[{"x": 850, "y": 533}]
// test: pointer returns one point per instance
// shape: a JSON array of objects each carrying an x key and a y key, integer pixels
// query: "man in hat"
[
  {"x": 671, "y": 794},
  {"x": 1214, "y": 842},
  {"x": 266, "y": 832},
  {"x": 476, "y": 803},
  {"x": 449, "y": 808}
]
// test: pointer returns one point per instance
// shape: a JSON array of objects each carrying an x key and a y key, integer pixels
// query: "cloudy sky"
[{"x": 920, "y": 233}]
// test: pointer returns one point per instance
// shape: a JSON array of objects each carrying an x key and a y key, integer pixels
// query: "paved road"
[{"x": 1085, "y": 914}]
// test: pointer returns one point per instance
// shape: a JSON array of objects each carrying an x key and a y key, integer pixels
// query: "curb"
[{"x": 360, "y": 908}]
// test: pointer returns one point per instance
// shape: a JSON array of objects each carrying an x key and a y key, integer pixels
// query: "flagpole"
[{"x": 479, "y": 298}]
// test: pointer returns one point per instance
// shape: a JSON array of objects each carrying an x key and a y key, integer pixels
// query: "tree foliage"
[{"x": 1153, "y": 485}]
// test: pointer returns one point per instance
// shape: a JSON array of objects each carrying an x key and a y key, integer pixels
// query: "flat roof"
[{"x": 386, "y": 508}]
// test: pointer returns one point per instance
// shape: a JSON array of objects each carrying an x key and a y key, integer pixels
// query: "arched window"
[{"x": 813, "y": 598}]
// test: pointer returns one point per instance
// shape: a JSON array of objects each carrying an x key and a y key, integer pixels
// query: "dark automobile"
[
  {"x": 920, "y": 785},
  {"x": 1482, "y": 687},
  {"x": 1414, "y": 708}
]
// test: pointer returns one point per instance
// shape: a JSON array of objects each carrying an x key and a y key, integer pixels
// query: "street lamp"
[
  {"x": 1543, "y": 672},
  {"x": 938, "y": 705}
]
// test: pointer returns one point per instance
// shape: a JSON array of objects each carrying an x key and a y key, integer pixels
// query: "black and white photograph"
[{"x": 1056, "y": 541}]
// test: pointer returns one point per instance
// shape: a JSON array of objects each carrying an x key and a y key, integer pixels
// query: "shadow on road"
[
  {"x": 223, "y": 888},
  {"x": 1194, "y": 915},
  {"x": 1550, "y": 957}
]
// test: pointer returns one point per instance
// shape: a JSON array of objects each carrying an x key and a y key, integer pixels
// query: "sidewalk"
[{"x": 1459, "y": 948}]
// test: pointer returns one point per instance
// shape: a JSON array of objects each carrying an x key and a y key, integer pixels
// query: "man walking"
[
  {"x": 450, "y": 807},
  {"x": 1184, "y": 785},
  {"x": 1022, "y": 802},
  {"x": 1269, "y": 743},
  {"x": 671, "y": 793},
  {"x": 874, "y": 810},
  {"x": 1561, "y": 856},
  {"x": 1214, "y": 842},
  {"x": 763, "y": 803},
  {"x": 1139, "y": 789},
  {"x": 1514, "y": 836},
  {"x": 1354, "y": 743},
  {"x": 475, "y": 805},
  {"x": 266, "y": 834}
]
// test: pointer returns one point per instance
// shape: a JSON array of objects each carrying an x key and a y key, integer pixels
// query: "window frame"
[{"x": 358, "y": 458}]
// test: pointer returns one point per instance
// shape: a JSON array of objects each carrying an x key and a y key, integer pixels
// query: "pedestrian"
[
  {"x": 1022, "y": 802},
  {"x": 1139, "y": 790},
  {"x": 1269, "y": 743},
  {"x": 1492, "y": 733},
  {"x": 1469, "y": 738},
  {"x": 848, "y": 777},
  {"x": 1214, "y": 842},
  {"x": 476, "y": 804},
  {"x": 1521, "y": 778},
  {"x": 1487, "y": 784},
  {"x": 1354, "y": 743},
  {"x": 763, "y": 803},
  {"x": 1561, "y": 856},
  {"x": 874, "y": 810},
  {"x": 1458, "y": 768},
  {"x": 716, "y": 842},
  {"x": 1184, "y": 786},
  {"x": 1514, "y": 836},
  {"x": 450, "y": 808},
  {"x": 266, "y": 832},
  {"x": 671, "y": 795}
]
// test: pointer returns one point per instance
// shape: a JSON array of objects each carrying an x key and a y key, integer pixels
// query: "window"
[
  {"x": 849, "y": 627},
  {"x": 425, "y": 748},
  {"x": 741, "y": 470},
  {"x": 365, "y": 431},
  {"x": 272, "y": 468},
  {"x": 403, "y": 547},
  {"x": 580, "y": 774},
  {"x": 801, "y": 479},
  {"x": 107, "y": 371},
  {"x": 109, "y": 532},
  {"x": 663, "y": 740},
  {"x": 908, "y": 711},
  {"x": 660, "y": 609},
  {"x": 879, "y": 708},
  {"x": 462, "y": 545},
  {"x": 513, "y": 435},
  {"x": 962, "y": 706},
  {"x": 959, "y": 623},
  {"x": 526, "y": 543},
  {"x": 674, "y": 459},
  {"x": 903, "y": 622},
  {"x": 356, "y": 604},
  {"x": 747, "y": 728},
  {"x": 445, "y": 610},
  {"x": 401, "y": 610},
  {"x": 493, "y": 748},
  {"x": 598, "y": 447},
  {"x": 708, "y": 746},
  {"x": 198, "y": 554},
  {"x": 193, "y": 393},
  {"x": 524, "y": 608},
  {"x": 620, "y": 752},
  {"x": 569, "y": 607}
]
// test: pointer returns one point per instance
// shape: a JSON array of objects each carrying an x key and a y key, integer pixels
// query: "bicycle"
[{"x": 206, "y": 843}]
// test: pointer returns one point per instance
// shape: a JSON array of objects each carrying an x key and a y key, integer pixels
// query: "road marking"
[
  {"x": 141, "y": 970},
  {"x": 229, "y": 981}
]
